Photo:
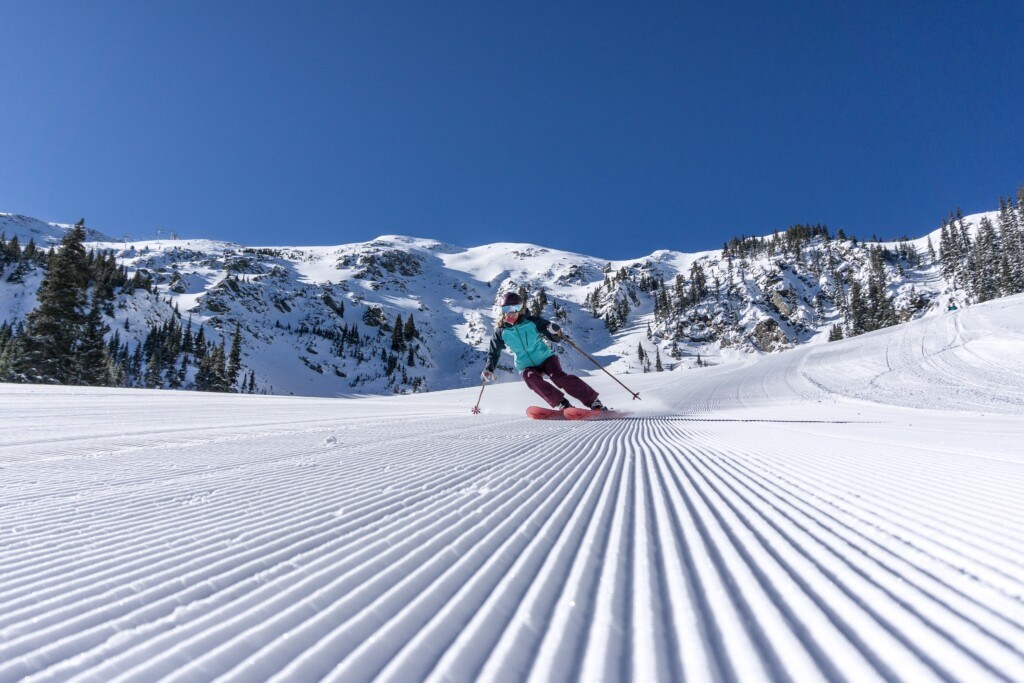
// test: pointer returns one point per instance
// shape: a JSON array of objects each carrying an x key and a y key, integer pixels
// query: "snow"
[
  {"x": 45, "y": 234},
  {"x": 841, "y": 511},
  {"x": 291, "y": 304}
]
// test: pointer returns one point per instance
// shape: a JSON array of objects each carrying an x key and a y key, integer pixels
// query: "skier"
[{"x": 524, "y": 335}]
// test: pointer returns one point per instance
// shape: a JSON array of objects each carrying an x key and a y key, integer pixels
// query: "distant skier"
[{"x": 524, "y": 336}]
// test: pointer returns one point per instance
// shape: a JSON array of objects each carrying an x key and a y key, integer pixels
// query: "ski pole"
[
  {"x": 636, "y": 395},
  {"x": 476, "y": 408}
]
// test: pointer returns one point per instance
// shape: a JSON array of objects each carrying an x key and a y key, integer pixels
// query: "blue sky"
[{"x": 610, "y": 129}]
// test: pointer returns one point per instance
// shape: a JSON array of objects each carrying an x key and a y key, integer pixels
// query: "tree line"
[
  {"x": 989, "y": 264},
  {"x": 65, "y": 339}
]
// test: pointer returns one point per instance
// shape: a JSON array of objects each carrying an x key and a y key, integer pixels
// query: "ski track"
[{"x": 732, "y": 540}]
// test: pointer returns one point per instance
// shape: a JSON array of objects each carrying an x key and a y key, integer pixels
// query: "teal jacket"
[{"x": 526, "y": 341}]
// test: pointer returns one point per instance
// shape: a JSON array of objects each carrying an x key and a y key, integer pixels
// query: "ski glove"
[
  {"x": 555, "y": 329},
  {"x": 487, "y": 376}
]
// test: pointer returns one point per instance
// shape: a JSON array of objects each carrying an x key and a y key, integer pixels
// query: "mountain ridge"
[{"x": 321, "y": 320}]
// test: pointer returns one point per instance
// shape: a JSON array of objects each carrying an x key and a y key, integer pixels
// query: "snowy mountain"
[
  {"x": 44, "y": 234},
  {"x": 843, "y": 511},
  {"x": 320, "y": 321}
]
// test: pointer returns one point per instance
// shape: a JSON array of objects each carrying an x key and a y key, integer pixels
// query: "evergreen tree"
[
  {"x": 698, "y": 284},
  {"x": 155, "y": 367},
  {"x": 212, "y": 373},
  {"x": 49, "y": 352},
  {"x": 133, "y": 364},
  {"x": 14, "y": 253},
  {"x": 92, "y": 349},
  {"x": 984, "y": 262},
  {"x": 410, "y": 332},
  {"x": 199, "y": 343},
  {"x": 949, "y": 253},
  {"x": 186, "y": 338},
  {"x": 1011, "y": 241},
  {"x": 234, "y": 366},
  {"x": 10, "y": 353},
  {"x": 881, "y": 310},
  {"x": 6, "y": 333},
  {"x": 859, "y": 321},
  {"x": 220, "y": 367},
  {"x": 681, "y": 298},
  {"x": 182, "y": 371},
  {"x": 397, "y": 337},
  {"x": 540, "y": 303},
  {"x": 204, "y": 374}
]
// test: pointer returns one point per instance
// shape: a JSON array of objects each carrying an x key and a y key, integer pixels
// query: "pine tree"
[
  {"x": 49, "y": 348},
  {"x": 10, "y": 353},
  {"x": 134, "y": 366},
  {"x": 155, "y": 366},
  {"x": 858, "y": 311},
  {"x": 1011, "y": 241},
  {"x": 204, "y": 374},
  {"x": 410, "y": 332},
  {"x": 212, "y": 373},
  {"x": 186, "y": 337},
  {"x": 698, "y": 284},
  {"x": 92, "y": 349},
  {"x": 949, "y": 253},
  {"x": 984, "y": 262},
  {"x": 540, "y": 303},
  {"x": 234, "y": 366},
  {"x": 14, "y": 253},
  {"x": 397, "y": 338},
  {"x": 182, "y": 371},
  {"x": 6, "y": 333},
  {"x": 220, "y": 369},
  {"x": 881, "y": 310}
]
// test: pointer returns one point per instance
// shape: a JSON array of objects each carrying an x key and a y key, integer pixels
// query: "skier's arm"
[
  {"x": 494, "y": 351},
  {"x": 548, "y": 329}
]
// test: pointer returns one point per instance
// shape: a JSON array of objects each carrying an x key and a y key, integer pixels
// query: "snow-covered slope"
[
  {"x": 849, "y": 511},
  {"x": 317, "y": 321},
  {"x": 44, "y": 234}
]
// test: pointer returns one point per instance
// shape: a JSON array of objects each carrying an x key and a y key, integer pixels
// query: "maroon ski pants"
[{"x": 572, "y": 384}]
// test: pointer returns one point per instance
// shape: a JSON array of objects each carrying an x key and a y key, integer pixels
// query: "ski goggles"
[{"x": 511, "y": 309}]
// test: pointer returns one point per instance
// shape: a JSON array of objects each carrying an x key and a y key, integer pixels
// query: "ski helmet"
[
  {"x": 511, "y": 307},
  {"x": 511, "y": 299}
]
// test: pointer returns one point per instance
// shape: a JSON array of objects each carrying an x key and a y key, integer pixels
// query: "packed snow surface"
[{"x": 845, "y": 511}]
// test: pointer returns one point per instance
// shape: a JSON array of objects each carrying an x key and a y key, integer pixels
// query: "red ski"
[
  {"x": 587, "y": 414},
  {"x": 538, "y": 413}
]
